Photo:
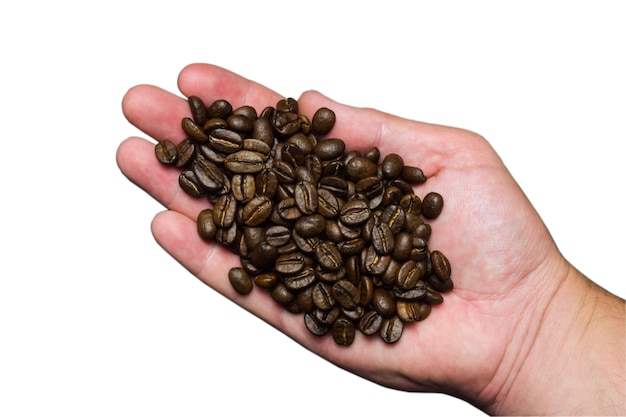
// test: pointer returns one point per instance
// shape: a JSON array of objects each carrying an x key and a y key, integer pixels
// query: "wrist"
[{"x": 574, "y": 363}]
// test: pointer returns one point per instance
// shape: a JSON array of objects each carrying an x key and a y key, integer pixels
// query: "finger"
[
  {"x": 210, "y": 82},
  {"x": 136, "y": 160}
]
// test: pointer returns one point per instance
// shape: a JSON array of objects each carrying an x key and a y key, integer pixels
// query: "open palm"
[{"x": 499, "y": 249}]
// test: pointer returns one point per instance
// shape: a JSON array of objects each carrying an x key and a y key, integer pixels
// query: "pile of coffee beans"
[{"x": 338, "y": 236}]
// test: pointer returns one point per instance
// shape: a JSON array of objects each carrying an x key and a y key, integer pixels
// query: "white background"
[{"x": 95, "y": 319}]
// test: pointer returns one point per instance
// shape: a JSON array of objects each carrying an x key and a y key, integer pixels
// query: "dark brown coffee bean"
[
  {"x": 300, "y": 280},
  {"x": 329, "y": 277},
  {"x": 328, "y": 256},
  {"x": 267, "y": 280},
  {"x": 391, "y": 329},
  {"x": 395, "y": 217},
  {"x": 193, "y": 130},
  {"x": 247, "y": 111},
  {"x": 209, "y": 175},
  {"x": 346, "y": 294},
  {"x": 277, "y": 235},
  {"x": 359, "y": 168},
  {"x": 286, "y": 123},
  {"x": 199, "y": 111},
  {"x": 337, "y": 185},
  {"x": 166, "y": 152},
  {"x": 266, "y": 183},
  {"x": 391, "y": 196},
  {"x": 335, "y": 168},
  {"x": 351, "y": 247},
  {"x": 214, "y": 123},
  {"x": 343, "y": 331},
  {"x": 366, "y": 290},
  {"x": 354, "y": 212},
  {"x": 186, "y": 153},
  {"x": 305, "y": 244},
  {"x": 205, "y": 224},
  {"x": 306, "y": 197},
  {"x": 288, "y": 209},
  {"x": 323, "y": 121},
  {"x": 384, "y": 302},
  {"x": 371, "y": 187},
  {"x": 375, "y": 263},
  {"x": 370, "y": 323},
  {"x": 408, "y": 311},
  {"x": 441, "y": 265},
  {"x": 240, "y": 280},
  {"x": 409, "y": 274},
  {"x": 292, "y": 154},
  {"x": 304, "y": 142},
  {"x": 353, "y": 315},
  {"x": 413, "y": 175},
  {"x": 224, "y": 211},
  {"x": 240, "y": 123},
  {"x": 264, "y": 255},
  {"x": 382, "y": 239},
  {"x": 328, "y": 316},
  {"x": 256, "y": 145},
  {"x": 245, "y": 162},
  {"x": 225, "y": 140},
  {"x": 243, "y": 187},
  {"x": 322, "y": 296},
  {"x": 314, "y": 326},
  {"x": 257, "y": 211},
  {"x": 262, "y": 131},
  {"x": 432, "y": 297},
  {"x": 439, "y": 284},
  {"x": 190, "y": 184},
  {"x": 289, "y": 264},
  {"x": 304, "y": 299},
  {"x": 284, "y": 171},
  {"x": 392, "y": 165},
  {"x": 281, "y": 294},
  {"x": 328, "y": 149},
  {"x": 432, "y": 204},
  {"x": 220, "y": 108},
  {"x": 413, "y": 294},
  {"x": 328, "y": 205},
  {"x": 210, "y": 154},
  {"x": 310, "y": 226},
  {"x": 402, "y": 247}
]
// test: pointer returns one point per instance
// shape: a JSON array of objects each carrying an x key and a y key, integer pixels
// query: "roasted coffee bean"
[
  {"x": 439, "y": 284},
  {"x": 245, "y": 162},
  {"x": 300, "y": 280},
  {"x": 220, "y": 108},
  {"x": 285, "y": 172},
  {"x": 409, "y": 274},
  {"x": 240, "y": 280},
  {"x": 306, "y": 197},
  {"x": 322, "y": 296},
  {"x": 209, "y": 175},
  {"x": 354, "y": 212},
  {"x": 264, "y": 255},
  {"x": 346, "y": 294},
  {"x": 328, "y": 149},
  {"x": 395, "y": 217},
  {"x": 343, "y": 331},
  {"x": 288, "y": 104},
  {"x": 338, "y": 186},
  {"x": 432, "y": 204},
  {"x": 288, "y": 209},
  {"x": 402, "y": 247},
  {"x": 335, "y": 168},
  {"x": 281, "y": 294},
  {"x": 210, "y": 154},
  {"x": 408, "y": 311},
  {"x": 304, "y": 298},
  {"x": 253, "y": 236},
  {"x": 351, "y": 247},
  {"x": 329, "y": 277},
  {"x": 413, "y": 294},
  {"x": 205, "y": 224},
  {"x": 422, "y": 231},
  {"x": 286, "y": 123},
  {"x": 314, "y": 326},
  {"x": 359, "y": 168},
  {"x": 262, "y": 131},
  {"x": 256, "y": 145},
  {"x": 290, "y": 264},
  {"x": 240, "y": 123},
  {"x": 413, "y": 175},
  {"x": 257, "y": 211},
  {"x": 328, "y": 205},
  {"x": 304, "y": 142},
  {"x": 225, "y": 140},
  {"x": 310, "y": 226},
  {"x": 224, "y": 211},
  {"x": 366, "y": 290},
  {"x": 353, "y": 315},
  {"x": 432, "y": 297},
  {"x": 186, "y": 153},
  {"x": 214, "y": 123},
  {"x": 371, "y": 187},
  {"x": 384, "y": 302},
  {"x": 375, "y": 263},
  {"x": 328, "y": 256},
  {"x": 328, "y": 316},
  {"x": 166, "y": 152},
  {"x": 391, "y": 196},
  {"x": 266, "y": 183},
  {"x": 243, "y": 187},
  {"x": 277, "y": 235},
  {"x": 441, "y": 265},
  {"x": 323, "y": 120},
  {"x": 305, "y": 244},
  {"x": 199, "y": 111},
  {"x": 266, "y": 280},
  {"x": 392, "y": 165},
  {"x": 370, "y": 322},
  {"x": 382, "y": 239},
  {"x": 292, "y": 154},
  {"x": 190, "y": 184},
  {"x": 194, "y": 131},
  {"x": 391, "y": 329}
]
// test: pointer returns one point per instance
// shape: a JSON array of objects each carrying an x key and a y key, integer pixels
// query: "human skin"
[{"x": 523, "y": 332}]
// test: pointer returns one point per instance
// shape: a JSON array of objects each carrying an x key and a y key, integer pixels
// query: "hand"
[{"x": 511, "y": 285}]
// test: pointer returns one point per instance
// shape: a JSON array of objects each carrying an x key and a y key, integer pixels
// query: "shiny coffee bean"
[
  {"x": 262, "y": 130},
  {"x": 304, "y": 299},
  {"x": 409, "y": 274},
  {"x": 220, "y": 108},
  {"x": 264, "y": 255},
  {"x": 209, "y": 175},
  {"x": 322, "y": 296},
  {"x": 243, "y": 187},
  {"x": 384, "y": 302},
  {"x": 359, "y": 168},
  {"x": 328, "y": 205},
  {"x": 205, "y": 224},
  {"x": 225, "y": 140},
  {"x": 343, "y": 331},
  {"x": 225, "y": 210},
  {"x": 199, "y": 111},
  {"x": 354, "y": 212},
  {"x": 314, "y": 326},
  {"x": 432, "y": 204},
  {"x": 266, "y": 280},
  {"x": 240, "y": 123},
  {"x": 346, "y": 294},
  {"x": 392, "y": 165},
  {"x": 383, "y": 239},
  {"x": 370, "y": 323},
  {"x": 310, "y": 226},
  {"x": 190, "y": 184},
  {"x": 186, "y": 153},
  {"x": 166, "y": 152},
  {"x": 194, "y": 131},
  {"x": 323, "y": 121},
  {"x": 281, "y": 294},
  {"x": 441, "y": 265},
  {"x": 375, "y": 263},
  {"x": 245, "y": 162},
  {"x": 289, "y": 264},
  {"x": 266, "y": 183},
  {"x": 328, "y": 256},
  {"x": 328, "y": 149},
  {"x": 391, "y": 329},
  {"x": 300, "y": 280},
  {"x": 415, "y": 293},
  {"x": 306, "y": 197},
  {"x": 278, "y": 235},
  {"x": 257, "y": 211},
  {"x": 413, "y": 175},
  {"x": 240, "y": 280}
]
